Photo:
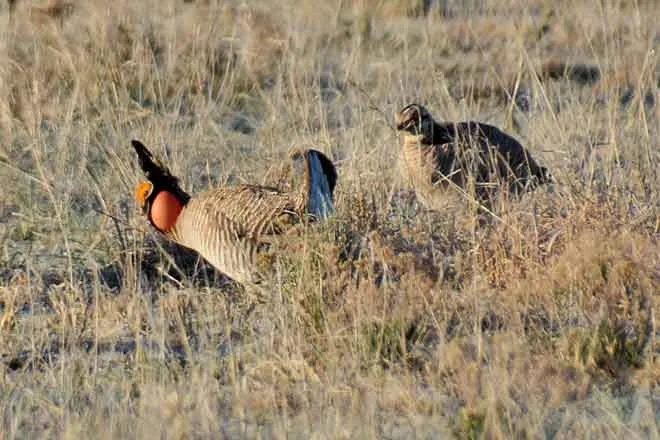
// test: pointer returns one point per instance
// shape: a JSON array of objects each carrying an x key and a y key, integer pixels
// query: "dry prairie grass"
[{"x": 388, "y": 321}]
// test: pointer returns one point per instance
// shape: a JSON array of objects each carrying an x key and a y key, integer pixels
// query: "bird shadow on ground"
[{"x": 147, "y": 270}]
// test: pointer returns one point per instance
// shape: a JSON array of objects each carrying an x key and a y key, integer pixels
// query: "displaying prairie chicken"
[
  {"x": 231, "y": 226},
  {"x": 464, "y": 153}
]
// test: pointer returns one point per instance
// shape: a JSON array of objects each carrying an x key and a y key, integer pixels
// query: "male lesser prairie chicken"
[
  {"x": 231, "y": 226},
  {"x": 463, "y": 153}
]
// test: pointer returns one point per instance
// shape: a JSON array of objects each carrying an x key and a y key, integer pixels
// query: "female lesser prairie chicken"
[
  {"x": 463, "y": 153},
  {"x": 231, "y": 226}
]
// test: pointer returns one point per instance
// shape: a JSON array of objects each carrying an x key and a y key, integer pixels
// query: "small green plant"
[{"x": 471, "y": 425}]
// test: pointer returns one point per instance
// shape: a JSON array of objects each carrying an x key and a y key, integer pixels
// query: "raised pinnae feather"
[
  {"x": 151, "y": 167},
  {"x": 158, "y": 174}
]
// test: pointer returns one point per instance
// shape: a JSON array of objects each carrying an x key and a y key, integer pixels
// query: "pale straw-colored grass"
[{"x": 388, "y": 321}]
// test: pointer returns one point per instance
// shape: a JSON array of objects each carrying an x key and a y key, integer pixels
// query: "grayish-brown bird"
[
  {"x": 54, "y": 9},
  {"x": 231, "y": 226},
  {"x": 463, "y": 153}
]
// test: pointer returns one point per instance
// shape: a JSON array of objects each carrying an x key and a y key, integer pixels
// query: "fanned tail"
[{"x": 319, "y": 183}]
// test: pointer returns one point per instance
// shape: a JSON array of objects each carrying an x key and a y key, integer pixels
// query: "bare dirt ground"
[{"x": 389, "y": 321}]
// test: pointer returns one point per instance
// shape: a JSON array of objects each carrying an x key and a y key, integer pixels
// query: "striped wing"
[{"x": 227, "y": 227}]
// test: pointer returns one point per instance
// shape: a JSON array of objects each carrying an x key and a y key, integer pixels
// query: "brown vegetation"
[{"x": 388, "y": 320}]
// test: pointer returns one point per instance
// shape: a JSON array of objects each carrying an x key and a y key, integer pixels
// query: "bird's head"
[
  {"x": 160, "y": 196},
  {"x": 414, "y": 119}
]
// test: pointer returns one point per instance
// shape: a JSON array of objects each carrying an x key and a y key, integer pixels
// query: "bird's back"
[
  {"x": 484, "y": 150},
  {"x": 228, "y": 226}
]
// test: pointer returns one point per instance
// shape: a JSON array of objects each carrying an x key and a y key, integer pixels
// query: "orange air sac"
[{"x": 165, "y": 209}]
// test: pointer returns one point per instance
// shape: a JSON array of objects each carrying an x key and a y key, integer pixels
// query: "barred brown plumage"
[
  {"x": 435, "y": 154},
  {"x": 231, "y": 226}
]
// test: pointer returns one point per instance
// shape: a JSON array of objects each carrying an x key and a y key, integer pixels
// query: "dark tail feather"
[
  {"x": 327, "y": 167},
  {"x": 320, "y": 181}
]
